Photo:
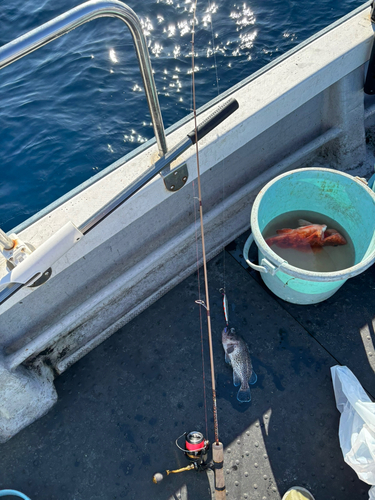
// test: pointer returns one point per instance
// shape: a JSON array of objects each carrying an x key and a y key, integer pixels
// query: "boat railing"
[
  {"x": 88, "y": 11},
  {"x": 72, "y": 19},
  {"x": 5, "y": 241},
  {"x": 16, "y": 251}
]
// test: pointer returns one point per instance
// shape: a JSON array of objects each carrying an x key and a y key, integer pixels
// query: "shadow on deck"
[{"x": 122, "y": 406}]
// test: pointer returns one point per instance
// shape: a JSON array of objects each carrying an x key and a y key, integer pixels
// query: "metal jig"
[{"x": 225, "y": 305}]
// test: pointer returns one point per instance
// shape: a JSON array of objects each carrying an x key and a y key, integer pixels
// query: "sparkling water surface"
[{"x": 72, "y": 108}]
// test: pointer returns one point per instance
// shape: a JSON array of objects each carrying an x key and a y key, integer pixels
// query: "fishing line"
[
  {"x": 199, "y": 301},
  {"x": 223, "y": 289},
  {"x": 200, "y": 311},
  {"x": 207, "y": 303}
]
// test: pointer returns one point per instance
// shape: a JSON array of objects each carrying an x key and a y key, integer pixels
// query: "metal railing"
[
  {"x": 6, "y": 242},
  {"x": 57, "y": 27},
  {"x": 88, "y": 11},
  {"x": 70, "y": 20}
]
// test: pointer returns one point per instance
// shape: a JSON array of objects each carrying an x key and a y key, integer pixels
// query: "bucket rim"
[{"x": 283, "y": 265}]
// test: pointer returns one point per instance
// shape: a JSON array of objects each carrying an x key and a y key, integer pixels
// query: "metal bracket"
[
  {"x": 45, "y": 277},
  {"x": 35, "y": 269},
  {"x": 175, "y": 179},
  {"x": 18, "y": 253}
]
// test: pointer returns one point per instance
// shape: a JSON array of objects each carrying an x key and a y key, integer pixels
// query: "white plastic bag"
[{"x": 357, "y": 425}]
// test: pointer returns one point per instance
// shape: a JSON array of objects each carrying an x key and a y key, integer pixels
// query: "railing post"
[{"x": 6, "y": 242}]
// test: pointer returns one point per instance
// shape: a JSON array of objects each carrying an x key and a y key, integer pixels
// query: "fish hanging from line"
[
  {"x": 238, "y": 356},
  {"x": 307, "y": 236}
]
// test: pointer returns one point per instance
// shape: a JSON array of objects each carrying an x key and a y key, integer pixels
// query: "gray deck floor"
[{"x": 121, "y": 407}]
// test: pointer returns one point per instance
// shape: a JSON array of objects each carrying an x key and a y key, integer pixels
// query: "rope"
[{"x": 207, "y": 305}]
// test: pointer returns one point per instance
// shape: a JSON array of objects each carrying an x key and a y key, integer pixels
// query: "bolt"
[
  {"x": 184, "y": 178},
  {"x": 172, "y": 187}
]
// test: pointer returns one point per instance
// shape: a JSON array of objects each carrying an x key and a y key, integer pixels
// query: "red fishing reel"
[
  {"x": 196, "y": 450},
  {"x": 196, "y": 447}
]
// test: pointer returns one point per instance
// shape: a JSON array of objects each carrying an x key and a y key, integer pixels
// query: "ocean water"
[{"x": 72, "y": 108}]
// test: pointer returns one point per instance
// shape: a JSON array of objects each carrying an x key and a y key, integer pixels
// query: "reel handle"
[{"x": 158, "y": 477}]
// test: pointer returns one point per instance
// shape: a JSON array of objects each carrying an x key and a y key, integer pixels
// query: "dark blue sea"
[{"x": 77, "y": 105}]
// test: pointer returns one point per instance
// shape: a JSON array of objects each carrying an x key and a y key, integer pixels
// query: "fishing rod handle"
[{"x": 214, "y": 120}]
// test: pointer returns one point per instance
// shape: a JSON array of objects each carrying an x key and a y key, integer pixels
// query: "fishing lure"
[{"x": 225, "y": 305}]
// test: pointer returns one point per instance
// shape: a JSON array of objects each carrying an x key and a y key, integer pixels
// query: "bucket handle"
[
  {"x": 4, "y": 493},
  {"x": 371, "y": 183},
  {"x": 267, "y": 267}
]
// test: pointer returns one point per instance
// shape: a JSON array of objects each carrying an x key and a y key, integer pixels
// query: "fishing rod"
[
  {"x": 196, "y": 446},
  {"x": 217, "y": 447},
  {"x": 34, "y": 266}
]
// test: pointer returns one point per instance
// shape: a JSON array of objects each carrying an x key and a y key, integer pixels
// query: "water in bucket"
[{"x": 326, "y": 259}]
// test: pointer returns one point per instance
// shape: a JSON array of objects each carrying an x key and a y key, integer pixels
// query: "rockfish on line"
[
  {"x": 307, "y": 236},
  {"x": 238, "y": 356}
]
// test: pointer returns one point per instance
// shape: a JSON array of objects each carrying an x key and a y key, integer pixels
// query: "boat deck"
[{"x": 122, "y": 406}]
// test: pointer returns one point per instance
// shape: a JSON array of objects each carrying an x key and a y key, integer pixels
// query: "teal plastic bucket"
[
  {"x": 344, "y": 198},
  {"x": 13, "y": 493}
]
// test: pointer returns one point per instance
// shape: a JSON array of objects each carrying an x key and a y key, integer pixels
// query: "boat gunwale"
[{"x": 151, "y": 142}]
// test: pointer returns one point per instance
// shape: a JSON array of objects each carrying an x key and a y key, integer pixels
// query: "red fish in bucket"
[
  {"x": 333, "y": 238},
  {"x": 307, "y": 236}
]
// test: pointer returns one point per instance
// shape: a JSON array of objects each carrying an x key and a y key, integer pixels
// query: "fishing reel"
[{"x": 196, "y": 450}]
